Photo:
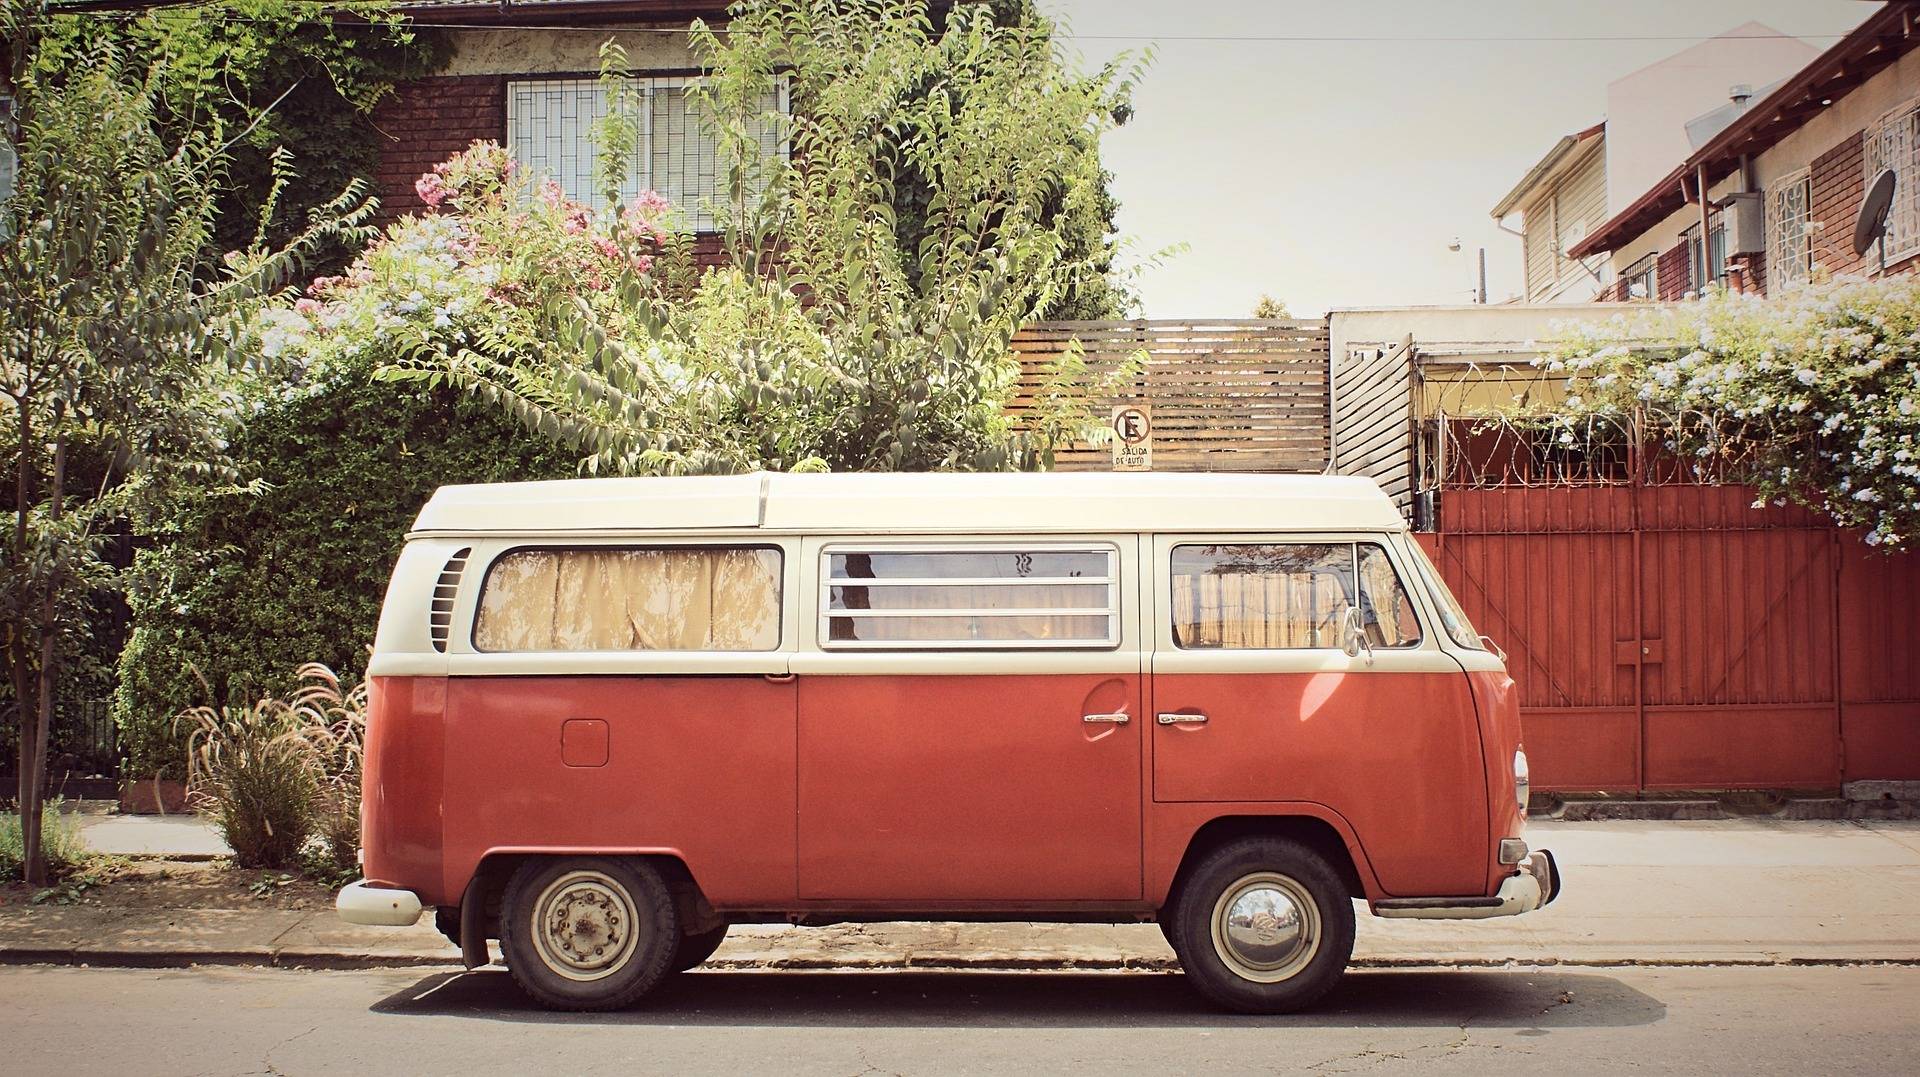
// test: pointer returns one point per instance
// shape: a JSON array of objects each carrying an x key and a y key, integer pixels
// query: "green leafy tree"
[
  {"x": 118, "y": 328},
  {"x": 1269, "y": 307},
  {"x": 827, "y": 342},
  {"x": 297, "y": 79}
]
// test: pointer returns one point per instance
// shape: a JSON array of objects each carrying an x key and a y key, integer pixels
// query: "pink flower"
[
  {"x": 608, "y": 248},
  {"x": 643, "y": 263},
  {"x": 552, "y": 193},
  {"x": 308, "y": 307},
  {"x": 431, "y": 188}
]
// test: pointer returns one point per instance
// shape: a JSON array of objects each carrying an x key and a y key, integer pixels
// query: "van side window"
[
  {"x": 1011, "y": 598},
  {"x": 1286, "y": 596},
  {"x": 619, "y": 598}
]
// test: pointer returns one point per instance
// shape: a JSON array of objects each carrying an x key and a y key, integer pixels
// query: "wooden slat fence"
[
  {"x": 1226, "y": 395},
  {"x": 1373, "y": 418}
]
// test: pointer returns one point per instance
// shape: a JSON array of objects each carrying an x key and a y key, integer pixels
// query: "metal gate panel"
[
  {"x": 1548, "y": 576},
  {"x": 1879, "y": 643}
]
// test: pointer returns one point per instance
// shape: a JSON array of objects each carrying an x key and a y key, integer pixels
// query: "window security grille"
[
  {"x": 1789, "y": 243},
  {"x": 550, "y": 127},
  {"x": 1895, "y": 143}
]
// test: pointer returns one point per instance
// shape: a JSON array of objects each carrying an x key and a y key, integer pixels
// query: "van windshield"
[{"x": 1452, "y": 617}]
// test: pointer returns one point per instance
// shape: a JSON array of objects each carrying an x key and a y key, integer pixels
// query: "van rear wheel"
[
  {"x": 587, "y": 933},
  {"x": 1263, "y": 925}
]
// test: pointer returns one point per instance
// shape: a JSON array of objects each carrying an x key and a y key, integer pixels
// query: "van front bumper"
[
  {"x": 1534, "y": 886},
  {"x": 377, "y": 906}
]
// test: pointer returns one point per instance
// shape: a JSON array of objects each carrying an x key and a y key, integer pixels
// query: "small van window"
[
  {"x": 620, "y": 598},
  {"x": 1286, "y": 596},
  {"x": 1014, "y": 598}
]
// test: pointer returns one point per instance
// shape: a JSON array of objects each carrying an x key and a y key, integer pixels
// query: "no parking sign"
[{"x": 1132, "y": 438}]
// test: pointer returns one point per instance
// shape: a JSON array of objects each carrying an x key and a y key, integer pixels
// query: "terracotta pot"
[{"x": 153, "y": 796}]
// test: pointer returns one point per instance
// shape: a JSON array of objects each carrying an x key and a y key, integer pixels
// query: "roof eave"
[
  {"x": 1826, "y": 78},
  {"x": 1545, "y": 167}
]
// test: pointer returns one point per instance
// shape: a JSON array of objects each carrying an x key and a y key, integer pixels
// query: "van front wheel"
[
  {"x": 587, "y": 933},
  {"x": 1263, "y": 925}
]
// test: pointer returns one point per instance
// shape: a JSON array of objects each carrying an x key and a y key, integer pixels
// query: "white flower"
[{"x": 1806, "y": 376}]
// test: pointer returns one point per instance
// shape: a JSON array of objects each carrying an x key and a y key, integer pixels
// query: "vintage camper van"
[{"x": 611, "y": 717}]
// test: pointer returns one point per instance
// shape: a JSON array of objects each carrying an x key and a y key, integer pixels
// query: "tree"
[
  {"x": 282, "y": 77},
  {"x": 828, "y": 341},
  {"x": 1269, "y": 307},
  {"x": 118, "y": 326}
]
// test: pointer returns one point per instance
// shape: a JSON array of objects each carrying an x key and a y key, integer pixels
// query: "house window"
[
  {"x": 1013, "y": 598},
  {"x": 1714, "y": 264},
  {"x": 1894, "y": 143},
  {"x": 550, "y": 131},
  {"x": 1641, "y": 279},
  {"x": 1789, "y": 243}
]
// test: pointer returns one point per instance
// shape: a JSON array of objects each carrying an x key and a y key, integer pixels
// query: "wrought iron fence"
[{"x": 85, "y": 743}]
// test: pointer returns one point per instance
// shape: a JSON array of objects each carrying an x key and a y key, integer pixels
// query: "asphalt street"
[{"x": 1748, "y": 1020}]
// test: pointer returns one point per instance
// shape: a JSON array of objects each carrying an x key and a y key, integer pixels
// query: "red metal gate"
[{"x": 1673, "y": 637}]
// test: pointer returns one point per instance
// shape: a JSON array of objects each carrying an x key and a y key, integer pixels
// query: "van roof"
[{"x": 882, "y": 503}]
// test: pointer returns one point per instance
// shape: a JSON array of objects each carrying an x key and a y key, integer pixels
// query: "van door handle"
[
  {"x": 1181, "y": 717},
  {"x": 778, "y": 678},
  {"x": 1117, "y": 718}
]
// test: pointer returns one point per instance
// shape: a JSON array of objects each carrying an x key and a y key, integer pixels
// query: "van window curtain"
[{"x": 623, "y": 599}]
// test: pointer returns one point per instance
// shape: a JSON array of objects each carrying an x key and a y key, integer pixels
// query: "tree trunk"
[
  {"x": 33, "y": 777},
  {"x": 19, "y": 662}
]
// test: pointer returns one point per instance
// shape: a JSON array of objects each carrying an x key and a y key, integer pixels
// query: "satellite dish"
[{"x": 1872, "y": 222}]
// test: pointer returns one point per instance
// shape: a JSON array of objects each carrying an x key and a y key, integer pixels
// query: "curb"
[{"x": 324, "y": 961}]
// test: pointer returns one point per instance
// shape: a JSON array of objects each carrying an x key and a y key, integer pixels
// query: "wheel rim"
[
  {"x": 1266, "y": 927},
  {"x": 585, "y": 926}
]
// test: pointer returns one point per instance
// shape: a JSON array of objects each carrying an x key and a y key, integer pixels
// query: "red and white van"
[{"x": 611, "y": 717}]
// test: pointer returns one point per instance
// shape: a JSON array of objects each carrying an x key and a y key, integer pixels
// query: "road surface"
[{"x": 1749, "y": 1020}]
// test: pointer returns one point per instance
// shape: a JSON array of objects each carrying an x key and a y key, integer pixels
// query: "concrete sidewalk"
[{"x": 1653, "y": 893}]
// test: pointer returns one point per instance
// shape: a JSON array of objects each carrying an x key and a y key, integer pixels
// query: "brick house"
[
  {"x": 1776, "y": 191},
  {"x": 1589, "y": 174},
  {"x": 525, "y": 74}
]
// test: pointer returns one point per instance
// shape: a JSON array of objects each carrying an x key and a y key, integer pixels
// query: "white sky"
[{"x": 1333, "y": 173}]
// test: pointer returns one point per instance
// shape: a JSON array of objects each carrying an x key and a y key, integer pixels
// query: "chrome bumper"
[
  {"x": 377, "y": 906},
  {"x": 1534, "y": 886}
]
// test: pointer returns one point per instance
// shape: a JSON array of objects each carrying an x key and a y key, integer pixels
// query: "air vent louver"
[{"x": 440, "y": 618}]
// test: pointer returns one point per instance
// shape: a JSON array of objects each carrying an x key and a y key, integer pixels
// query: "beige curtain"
[
  {"x": 1257, "y": 611},
  {"x": 614, "y": 599}
]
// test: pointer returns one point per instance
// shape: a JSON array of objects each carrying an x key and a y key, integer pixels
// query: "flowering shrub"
[
  {"x": 1813, "y": 396},
  {"x": 494, "y": 258}
]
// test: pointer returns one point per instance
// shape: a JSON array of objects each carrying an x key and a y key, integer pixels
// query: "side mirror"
[
  {"x": 1487, "y": 642},
  {"x": 1353, "y": 635}
]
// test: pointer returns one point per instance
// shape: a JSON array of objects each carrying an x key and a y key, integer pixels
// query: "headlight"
[{"x": 1522, "y": 787}]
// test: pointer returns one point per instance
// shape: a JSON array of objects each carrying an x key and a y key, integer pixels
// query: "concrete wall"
[
  {"x": 521, "y": 52},
  {"x": 1499, "y": 340}
]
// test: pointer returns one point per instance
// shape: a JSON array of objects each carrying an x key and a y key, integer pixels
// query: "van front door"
[
  {"x": 970, "y": 723},
  {"x": 1257, "y": 700}
]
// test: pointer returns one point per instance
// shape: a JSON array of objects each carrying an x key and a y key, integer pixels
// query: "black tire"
[
  {"x": 694, "y": 949},
  {"x": 1295, "y": 928},
  {"x": 1167, "y": 923},
  {"x": 559, "y": 917}
]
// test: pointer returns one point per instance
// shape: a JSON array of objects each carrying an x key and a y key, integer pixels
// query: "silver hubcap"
[
  {"x": 584, "y": 925},
  {"x": 1266, "y": 927}
]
